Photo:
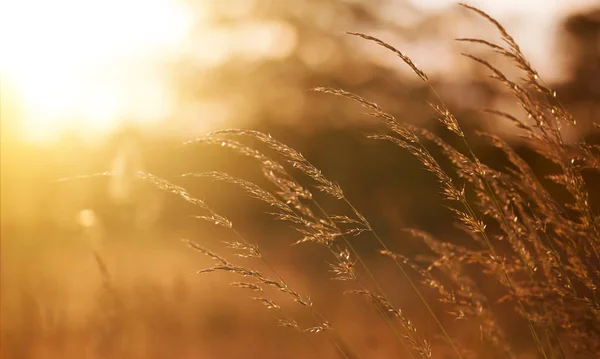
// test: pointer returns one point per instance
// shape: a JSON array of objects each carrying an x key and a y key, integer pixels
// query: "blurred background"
[{"x": 94, "y": 267}]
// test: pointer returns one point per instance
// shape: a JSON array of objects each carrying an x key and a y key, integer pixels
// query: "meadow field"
[{"x": 356, "y": 213}]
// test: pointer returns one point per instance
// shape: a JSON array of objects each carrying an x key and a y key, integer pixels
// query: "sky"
[
  {"x": 107, "y": 70},
  {"x": 533, "y": 23}
]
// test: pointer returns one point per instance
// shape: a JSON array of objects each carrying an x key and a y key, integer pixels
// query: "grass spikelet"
[
  {"x": 251, "y": 188},
  {"x": 247, "y": 285},
  {"x": 288, "y": 323},
  {"x": 290, "y": 190},
  {"x": 182, "y": 193},
  {"x": 448, "y": 120},
  {"x": 246, "y": 250},
  {"x": 226, "y": 266},
  {"x": 517, "y": 122},
  {"x": 423, "y": 347},
  {"x": 293, "y": 157},
  {"x": 268, "y": 303},
  {"x": 404, "y": 58},
  {"x": 325, "y": 326},
  {"x": 505, "y": 35},
  {"x": 344, "y": 268}
]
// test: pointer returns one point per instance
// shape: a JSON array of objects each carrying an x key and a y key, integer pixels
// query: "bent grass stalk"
[
  {"x": 344, "y": 271},
  {"x": 223, "y": 221},
  {"x": 551, "y": 136},
  {"x": 451, "y": 124},
  {"x": 560, "y": 237},
  {"x": 329, "y": 187},
  {"x": 219, "y": 220},
  {"x": 269, "y": 166}
]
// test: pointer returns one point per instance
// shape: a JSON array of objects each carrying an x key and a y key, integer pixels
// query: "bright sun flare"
[{"x": 87, "y": 65}]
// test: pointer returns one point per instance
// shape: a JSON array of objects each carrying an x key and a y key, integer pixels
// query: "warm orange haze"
[
  {"x": 90, "y": 66},
  {"x": 85, "y": 65},
  {"x": 293, "y": 179}
]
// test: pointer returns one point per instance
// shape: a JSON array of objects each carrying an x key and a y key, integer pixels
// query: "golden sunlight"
[{"x": 86, "y": 66}]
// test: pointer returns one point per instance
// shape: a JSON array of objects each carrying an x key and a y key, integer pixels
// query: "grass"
[
  {"x": 530, "y": 246},
  {"x": 541, "y": 250}
]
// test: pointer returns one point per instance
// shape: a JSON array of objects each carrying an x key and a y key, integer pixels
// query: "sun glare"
[{"x": 88, "y": 65}]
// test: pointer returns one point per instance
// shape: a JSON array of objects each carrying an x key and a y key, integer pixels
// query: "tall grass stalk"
[
  {"x": 542, "y": 251},
  {"x": 561, "y": 239}
]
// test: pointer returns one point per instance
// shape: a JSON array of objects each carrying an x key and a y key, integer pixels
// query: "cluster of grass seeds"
[{"x": 542, "y": 252}]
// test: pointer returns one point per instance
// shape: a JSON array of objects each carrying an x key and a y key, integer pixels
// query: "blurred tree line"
[{"x": 270, "y": 91}]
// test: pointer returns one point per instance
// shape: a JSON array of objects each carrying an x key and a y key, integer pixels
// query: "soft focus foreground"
[{"x": 95, "y": 266}]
